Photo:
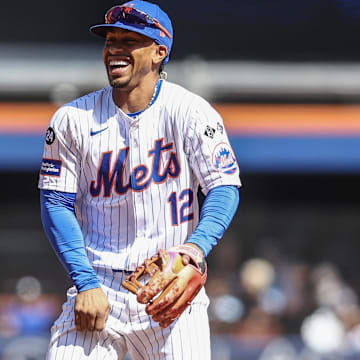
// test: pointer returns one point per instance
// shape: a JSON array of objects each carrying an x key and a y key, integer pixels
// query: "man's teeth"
[{"x": 119, "y": 63}]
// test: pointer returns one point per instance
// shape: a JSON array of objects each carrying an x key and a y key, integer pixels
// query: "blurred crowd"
[
  {"x": 25, "y": 321},
  {"x": 271, "y": 307}
]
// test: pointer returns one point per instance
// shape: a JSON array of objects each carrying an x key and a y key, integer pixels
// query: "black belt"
[{"x": 125, "y": 272}]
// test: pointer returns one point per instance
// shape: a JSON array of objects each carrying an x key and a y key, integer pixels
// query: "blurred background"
[{"x": 285, "y": 75}]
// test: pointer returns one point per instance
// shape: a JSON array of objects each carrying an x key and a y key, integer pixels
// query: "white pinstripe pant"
[{"x": 130, "y": 330}]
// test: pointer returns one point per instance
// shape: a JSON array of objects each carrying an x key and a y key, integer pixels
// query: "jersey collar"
[{"x": 158, "y": 86}]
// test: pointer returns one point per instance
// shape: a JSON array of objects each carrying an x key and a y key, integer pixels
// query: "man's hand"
[{"x": 91, "y": 310}]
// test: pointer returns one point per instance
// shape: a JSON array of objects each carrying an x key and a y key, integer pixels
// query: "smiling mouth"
[{"x": 118, "y": 66}]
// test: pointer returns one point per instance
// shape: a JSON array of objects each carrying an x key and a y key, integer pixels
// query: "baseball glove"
[{"x": 176, "y": 276}]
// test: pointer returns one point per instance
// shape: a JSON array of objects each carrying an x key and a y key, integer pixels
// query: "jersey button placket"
[
  {"x": 136, "y": 160},
  {"x": 133, "y": 134}
]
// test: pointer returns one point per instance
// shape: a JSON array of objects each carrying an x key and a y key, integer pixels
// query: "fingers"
[
  {"x": 90, "y": 321},
  {"x": 81, "y": 320},
  {"x": 84, "y": 319},
  {"x": 91, "y": 310},
  {"x": 100, "y": 321},
  {"x": 78, "y": 321}
]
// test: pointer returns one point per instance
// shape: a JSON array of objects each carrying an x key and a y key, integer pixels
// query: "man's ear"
[{"x": 161, "y": 54}]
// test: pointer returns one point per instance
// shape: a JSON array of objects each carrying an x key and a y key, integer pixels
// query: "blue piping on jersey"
[
  {"x": 158, "y": 87},
  {"x": 64, "y": 233},
  {"x": 216, "y": 214}
]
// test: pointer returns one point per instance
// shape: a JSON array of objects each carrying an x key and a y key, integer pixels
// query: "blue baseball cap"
[{"x": 142, "y": 17}]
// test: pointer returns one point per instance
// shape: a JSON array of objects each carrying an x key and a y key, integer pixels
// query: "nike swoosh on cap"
[{"x": 92, "y": 132}]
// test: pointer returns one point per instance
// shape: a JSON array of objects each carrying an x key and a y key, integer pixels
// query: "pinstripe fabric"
[
  {"x": 122, "y": 228},
  {"x": 136, "y": 181},
  {"x": 130, "y": 329}
]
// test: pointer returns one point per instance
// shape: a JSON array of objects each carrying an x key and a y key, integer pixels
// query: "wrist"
[
  {"x": 88, "y": 286},
  {"x": 196, "y": 247}
]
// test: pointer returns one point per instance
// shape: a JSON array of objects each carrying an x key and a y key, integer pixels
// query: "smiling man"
[{"x": 119, "y": 179}]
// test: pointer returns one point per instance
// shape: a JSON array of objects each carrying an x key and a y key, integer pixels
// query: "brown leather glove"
[{"x": 176, "y": 277}]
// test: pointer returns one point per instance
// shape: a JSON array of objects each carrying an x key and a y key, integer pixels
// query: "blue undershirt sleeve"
[
  {"x": 216, "y": 214},
  {"x": 64, "y": 233}
]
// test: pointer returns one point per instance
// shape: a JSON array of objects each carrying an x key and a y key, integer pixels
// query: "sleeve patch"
[
  {"x": 224, "y": 159},
  {"x": 220, "y": 128},
  {"x": 50, "y": 167},
  {"x": 209, "y": 132},
  {"x": 50, "y": 136}
]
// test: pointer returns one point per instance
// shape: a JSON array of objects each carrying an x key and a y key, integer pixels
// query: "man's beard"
[{"x": 117, "y": 84}]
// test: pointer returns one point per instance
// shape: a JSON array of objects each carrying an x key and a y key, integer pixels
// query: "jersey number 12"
[{"x": 186, "y": 199}]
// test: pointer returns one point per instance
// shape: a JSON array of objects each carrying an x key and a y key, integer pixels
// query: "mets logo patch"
[
  {"x": 50, "y": 167},
  {"x": 223, "y": 159}
]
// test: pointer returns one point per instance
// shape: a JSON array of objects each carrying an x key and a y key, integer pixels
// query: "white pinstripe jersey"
[{"x": 136, "y": 178}]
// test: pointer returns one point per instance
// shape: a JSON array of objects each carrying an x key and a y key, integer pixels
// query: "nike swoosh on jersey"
[{"x": 92, "y": 133}]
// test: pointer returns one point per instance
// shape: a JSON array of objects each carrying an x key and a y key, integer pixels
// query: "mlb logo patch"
[
  {"x": 50, "y": 167},
  {"x": 209, "y": 131},
  {"x": 224, "y": 159}
]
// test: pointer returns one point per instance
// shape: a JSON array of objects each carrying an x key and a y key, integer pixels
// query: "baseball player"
[{"x": 118, "y": 179}]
